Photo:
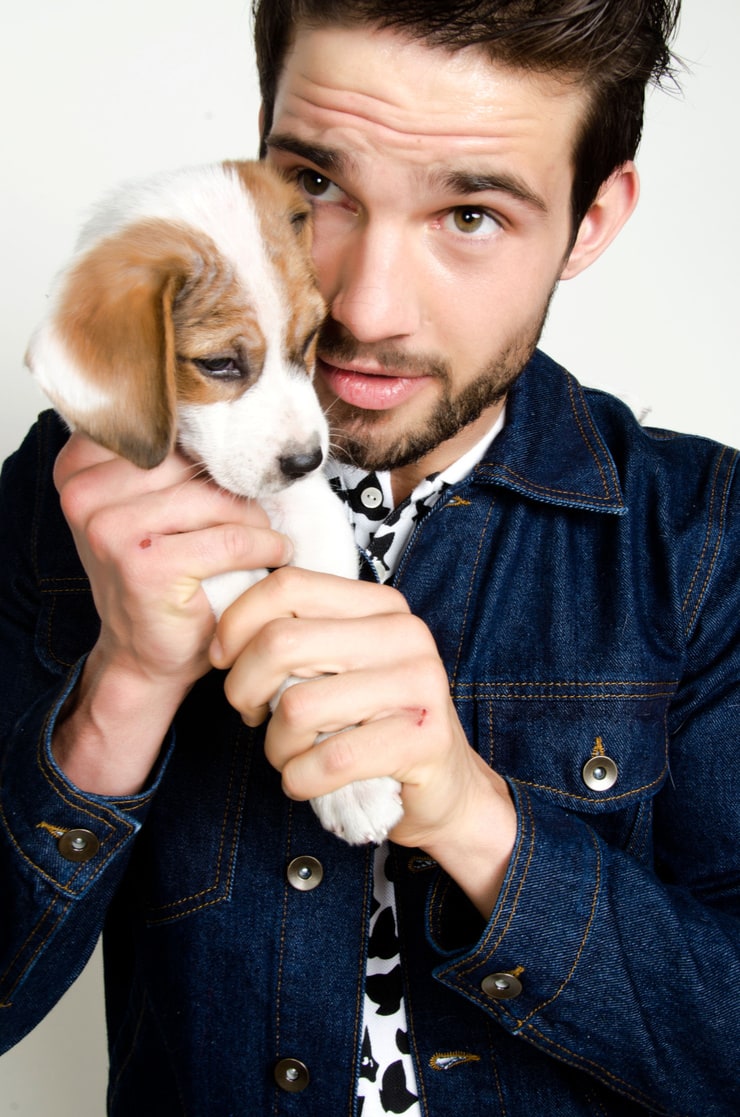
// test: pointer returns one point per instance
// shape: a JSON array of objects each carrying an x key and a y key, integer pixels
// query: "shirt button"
[
  {"x": 371, "y": 498},
  {"x": 600, "y": 773},
  {"x": 305, "y": 873},
  {"x": 78, "y": 845},
  {"x": 501, "y": 986},
  {"x": 292, "y": 1075}
]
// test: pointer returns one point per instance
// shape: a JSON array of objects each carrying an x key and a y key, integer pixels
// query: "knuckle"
[
  {"x": 338, "y": 755},
  {"x": 276, "y": 640},
  {"x": 398, "y": 601},
  {"x": 296, "y": 705},
  {"x": 102, "y": 530},
  {"x": 73, "y": 498},
  {"x": 284, "y": 581},
  {"x": 235, "y": 542}
]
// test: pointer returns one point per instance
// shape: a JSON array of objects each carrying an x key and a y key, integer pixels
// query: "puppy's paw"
[
  {"x": 362, "y": 812},
  {"x": 222, "y": 589}
]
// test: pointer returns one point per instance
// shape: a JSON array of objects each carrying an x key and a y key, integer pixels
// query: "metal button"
[
  {"x": 292, "y": 1075},
  {"x": 371, "y": 498},
  {"x": 501, "y": 986},
  {"x": 78, "y": 845},
  {"x": 600, "y": 773},
  {"x": 305, "y": 873}
]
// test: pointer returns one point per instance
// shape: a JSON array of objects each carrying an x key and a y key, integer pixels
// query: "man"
[{"x": 552, "y": 676}]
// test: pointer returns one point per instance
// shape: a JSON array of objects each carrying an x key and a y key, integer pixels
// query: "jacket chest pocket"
[{"x": 598, "y": 750}]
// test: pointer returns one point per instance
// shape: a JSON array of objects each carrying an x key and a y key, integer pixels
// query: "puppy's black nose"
[{"x": 300, "y": 463}]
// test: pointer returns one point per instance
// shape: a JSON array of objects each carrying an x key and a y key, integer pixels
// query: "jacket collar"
[{"x": 551, "y": 449}]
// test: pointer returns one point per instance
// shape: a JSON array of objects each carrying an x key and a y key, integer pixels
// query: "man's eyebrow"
[
  {"x": 455, "y": 182},
  {"x": 474, "y": 182},
  {"x": 330, "y": 160}
]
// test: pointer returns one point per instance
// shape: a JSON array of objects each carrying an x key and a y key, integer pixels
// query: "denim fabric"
[{"x": 582, "y": 585}]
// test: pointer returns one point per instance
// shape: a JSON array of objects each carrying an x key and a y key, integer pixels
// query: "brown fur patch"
[
  {"x": 115, "y": 314},
  {"x": 285, "y": 222}
]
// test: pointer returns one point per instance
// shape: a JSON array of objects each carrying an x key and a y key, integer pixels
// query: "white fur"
[
  {"x": 241, "y": 441},
  {"x": 60, "y": 377}
]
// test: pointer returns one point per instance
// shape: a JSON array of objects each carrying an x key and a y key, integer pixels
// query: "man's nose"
[{"x": 376, "y": 287}]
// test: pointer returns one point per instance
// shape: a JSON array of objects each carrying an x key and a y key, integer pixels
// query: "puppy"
[{"x": 189, "y": 315}]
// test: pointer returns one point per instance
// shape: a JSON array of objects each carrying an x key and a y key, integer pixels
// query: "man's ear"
[{"x": 613, "y": 205}]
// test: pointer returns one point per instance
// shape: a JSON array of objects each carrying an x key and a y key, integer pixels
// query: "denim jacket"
[{"x": 583, "y": 586}]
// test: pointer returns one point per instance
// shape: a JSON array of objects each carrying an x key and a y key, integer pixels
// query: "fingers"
[
  {"x": 292, "y": 593},
  {"x": 80, "y": 454},
  {"x": 346, "y": 649},
  {"x": 113, "y": 507},
  {"x": 363, "y": 696}
]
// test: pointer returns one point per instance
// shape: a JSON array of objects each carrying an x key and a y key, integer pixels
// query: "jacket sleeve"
[
  {"x": 625, "y": 968},
  {"x": 62, "y": 852}
]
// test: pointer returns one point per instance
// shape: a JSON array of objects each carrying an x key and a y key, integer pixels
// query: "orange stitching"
[
  {"x": 155, "y": 917},
  {"x": 40, "y": 946},
  {"x": 584, "y": 938},
  {"x": 571, "y": 389},
  {"x": 471, "y": 583},
  {"x": 614, "y": 1082},
  {"x": 55, "y": 831},
  {"x": 707, "y": 533},
  {"x": 717, "y": 545}
]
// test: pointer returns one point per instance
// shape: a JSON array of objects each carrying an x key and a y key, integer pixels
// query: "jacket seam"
[
  {"x": 584, "y": 938},
  {"x": 48, "y": 935},
  {"x": 167, "y": 913},
  {"x": 613, "y": 1081},
  {"x": 712, "y": 529},
  {"x": 471, "y": 583},
  {"x": 572, "y": 384}
]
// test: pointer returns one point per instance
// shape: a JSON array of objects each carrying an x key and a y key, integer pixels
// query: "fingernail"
[{"x": 216, "y": 652}]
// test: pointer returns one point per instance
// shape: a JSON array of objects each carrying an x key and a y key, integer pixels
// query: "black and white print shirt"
[{"x": 387, "y": 1078}]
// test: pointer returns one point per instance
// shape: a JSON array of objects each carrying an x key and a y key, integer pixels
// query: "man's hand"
[
  {"x": 146, "y": 540},
  {"x": 370, "y": 664}
]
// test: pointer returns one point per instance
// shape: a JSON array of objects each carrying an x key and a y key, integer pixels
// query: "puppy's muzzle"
[{"x": 297, "y": 463}]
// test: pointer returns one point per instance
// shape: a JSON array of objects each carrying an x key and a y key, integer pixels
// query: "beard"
[{"x": 367, "y": 439}]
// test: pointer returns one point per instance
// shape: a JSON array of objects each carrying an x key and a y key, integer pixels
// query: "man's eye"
[
  {"x": 220, "y": 368},
  {"x": 315, "y": 185},
  {"x": 468, "y": 219}
]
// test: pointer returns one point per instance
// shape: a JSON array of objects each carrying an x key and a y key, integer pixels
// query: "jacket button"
[
  {"x": 305, "y": 873},
  {"x": 600, "y": 773},
  {"x": 292, "y": 1076},
  {"x": 78, "y": 845},
  {"x": 501, "y": 986}
]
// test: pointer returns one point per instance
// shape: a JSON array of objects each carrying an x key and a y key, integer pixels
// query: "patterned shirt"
[{"x": 387, "y": 1079}]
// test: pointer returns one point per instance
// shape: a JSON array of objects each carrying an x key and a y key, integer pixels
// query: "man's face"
[{"x": 441, "y": 188}]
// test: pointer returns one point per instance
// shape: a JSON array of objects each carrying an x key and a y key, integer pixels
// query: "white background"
[{"x": 95, "y": 92}]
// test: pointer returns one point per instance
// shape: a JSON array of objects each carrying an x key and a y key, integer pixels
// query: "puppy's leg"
[{"x": 364, "y": 811}]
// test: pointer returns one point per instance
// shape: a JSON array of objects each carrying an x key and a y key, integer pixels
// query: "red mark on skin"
[
  {"x": 422, "y": 718},
  {"x": 145, "y": 543}
]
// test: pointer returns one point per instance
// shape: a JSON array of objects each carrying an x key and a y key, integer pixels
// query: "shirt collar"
[{"x": 551, "y": 449}]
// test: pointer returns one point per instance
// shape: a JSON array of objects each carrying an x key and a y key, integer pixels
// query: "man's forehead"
[
  {"x": 416, "y": 91},
  {"x": 348, "y": 98}
]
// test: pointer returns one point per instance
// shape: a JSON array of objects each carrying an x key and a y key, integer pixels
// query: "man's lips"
[{"x": 370, "y": 389}]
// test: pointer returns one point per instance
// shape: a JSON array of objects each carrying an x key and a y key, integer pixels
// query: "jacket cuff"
[
  {"x": 66, "y": 836},
  {"x": 530, "y": 949}
]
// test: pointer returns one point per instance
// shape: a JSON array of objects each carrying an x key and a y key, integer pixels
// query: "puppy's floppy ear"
[{"x": 106, "y": 356}]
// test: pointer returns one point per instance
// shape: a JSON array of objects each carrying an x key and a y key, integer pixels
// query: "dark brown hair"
[{"x": 614, "y": 48}]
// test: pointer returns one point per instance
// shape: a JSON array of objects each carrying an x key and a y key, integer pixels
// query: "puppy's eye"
[
  {"x": 309, "y": 342},
  {"x": 298, "y": 218},
  {"x": 220, "y": 368}
]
